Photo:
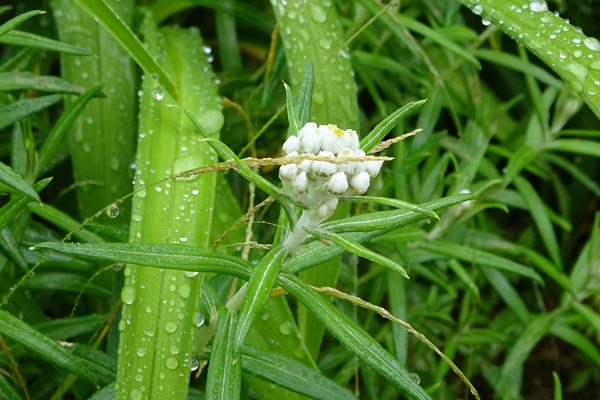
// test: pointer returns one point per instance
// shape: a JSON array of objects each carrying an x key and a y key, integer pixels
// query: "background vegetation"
[{"x": 505, "y": 282}]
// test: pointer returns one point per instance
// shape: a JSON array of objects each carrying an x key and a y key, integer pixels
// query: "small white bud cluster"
[{"x": 317, "y": 185}]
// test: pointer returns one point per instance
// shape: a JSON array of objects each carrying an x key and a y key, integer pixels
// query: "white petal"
[
  {"x": 373, "y": 167},
  {"x": 310, "y": 139}
]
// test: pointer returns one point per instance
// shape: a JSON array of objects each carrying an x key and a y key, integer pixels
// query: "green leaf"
[
  {"x": 14, "y": 206},
  {"x": 385, "y": 126},
  {"x": 10, "y": 178},
  {"x": 405, "y": 205},
  {"x": 43, "y": 347},
  {"x": 304, "y": 98},
  {"x": 483, "y": 258},
  {"x": 354, "y": 247},
  {"x": 125, "y": 36},
  {"x": 27, "y": 80},
  {"x": 291, "y": 111},
  {"x": 291, "y": 374},
  {"x": 167, "y": 256},
  {"x": 259, "y": 288},
  {"x": 509, "y": 380},
  {"x": 542, "y": 221},
  {"x": 20, "y": 109},
  {"x": 224, "y": 379},
  {"x": 7, "y": 392},
  {"x": 106, "y": 393},
  {"x": 590, "y": 315},
  {"x": 577, "y": 146},
  {"x": 557, "y": 386},
  {"x": 16, "y": 21},
  {"x": 513, "y": 62},
  {"x": 388, "y": 220},
  {"x": 61, "y": 127},
  {"x": 354, "y": 338},
  {"x": 26, "y": 39},
  {"x": 64, "y": 221}
]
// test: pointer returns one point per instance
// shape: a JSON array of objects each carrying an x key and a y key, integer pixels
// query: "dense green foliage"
[{"x": 113, "y": 290}]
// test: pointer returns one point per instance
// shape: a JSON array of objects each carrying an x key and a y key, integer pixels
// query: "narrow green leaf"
[
  {"x": 387, "y": 220},
  {"x": 509, "y": 380},
  {"x": 354, "y": 338},
  {"x": 385, "y": 126},
  {"x": 405, "y": 205},
  {"x": 575, "y": 172},
  {"x": 358, "y": 249},
  {"x": 291, "y": 374},
  {"x": 7, "y": 392},
  {"x": 575, "y": 338},
  {"x": 577, "y": 146},
  {"x": 542, "y": 221},
  {"x": 518, "y": 160},
  {"x": 125, "y": 36},
  {"x": 61, "y": 127},
  {"x": 513, "y": 62},
  {"x": 590, "y": 315},
  {"x": 14, "y": 206},
  {"x": 43, "y": 347},
  {"x": 26, "y": 39},
  {"x": 22, "y": 108},
  {"x": 28, "y": 81},
  {"x": 507, "y": 293},
  {"x": 304, "y": 98},
  {"x": 63, "y": 221},
  {"x": 481, "y": 257},
  {"x": 167, "y": 256},
  {"x": 224, "y": 379},
  {"x": 259, "y": 288},
  {"x": 10, "y": 178},
  {"x": 106, "y": 393},
  {"x": 291, "y": 110},
  {"x": 557, "y": 386},
  {"x": 19, "y": 19}
]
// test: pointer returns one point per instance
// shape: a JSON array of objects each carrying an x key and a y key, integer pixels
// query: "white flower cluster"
[{"x": 317, "y": 185}]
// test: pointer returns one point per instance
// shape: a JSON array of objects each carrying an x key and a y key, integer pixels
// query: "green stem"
[
  {"x": 161, "y": 306},
  {"x": 311, "y": 29}
]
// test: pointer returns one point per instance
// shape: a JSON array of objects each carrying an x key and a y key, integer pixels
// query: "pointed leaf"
[
  {"x": 16, "y": 21},
  {"x": 18, "y": 203},
  {"x": 22, "y": 108},
  {"x": 259, "y": 288},
  {"x": 224, "y": 379},
  {"x": 358, "y": 249},
  {"x": 10, "y": 178},
  {"x": 26, "y": 39},
  {"x": 45, "y": 348}
]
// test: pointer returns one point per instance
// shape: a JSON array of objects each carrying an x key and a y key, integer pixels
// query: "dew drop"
[
  {"x": 317, "y": 12},
  {"x": 170, "y": 327},
  {"x": 190, "y": 274},
  {"x": 199, "y": 319},
  {"x": 538, "y": 6},
  {"x": 325, "y": 43},
  {"x": 578, "y": 70},
  {"x": 171, "y": 363},
  {"x": 174, "y": 349},
  {"x": 286, "y": 328},
  {"x": 112, "y": 211},
  {"x": 135, "y": 394},
  {"x": 486, "y": 21},
  {"x": 592, "y": 43},
  {"x": 415, "y": 377},
  {"x": 158, "y": 94},
  {"x": 595, "y": 65},
  {"x": 478, "y": 9},
  {"x": 141, "y": 351},
  {"x": 185, "y": 290},
  {"x": 137, "y": 217},
  {"x": 128, "y": 294},
  {"x": 194, "y": 364}
]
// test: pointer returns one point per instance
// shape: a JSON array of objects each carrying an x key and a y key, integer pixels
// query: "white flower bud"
[
  {"x": 305, "y": 165},
  {"x": 322, "y": 168},
  {"x": 332, "y": 138},
  {"x": 351, "y": 139},
  {"x": 310, "y": 139},
  {"x": 300, "y": 183},
  {"x": 288, "y": 172},
  {"x": 349, "y": 168},
  {"x": 359, "y": 183},
  {"x": 373, "y": 167},
  {"x": 338, "y": 184},
  {"x": 292, "y": 144}
]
